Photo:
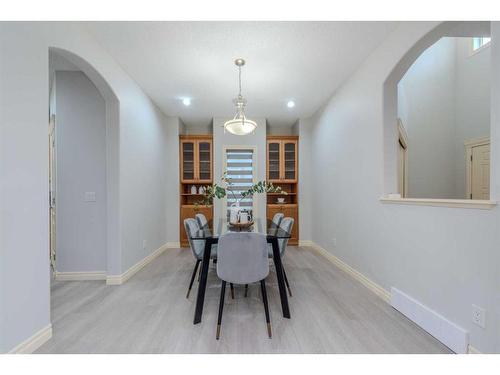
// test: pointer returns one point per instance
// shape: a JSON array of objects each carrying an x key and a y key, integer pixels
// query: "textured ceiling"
[{"x": 302, "y": 61}]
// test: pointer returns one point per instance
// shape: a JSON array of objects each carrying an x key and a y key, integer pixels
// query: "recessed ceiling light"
[
  {"x": 186, "y": 102},
  {"x": 290, "y": 104}
]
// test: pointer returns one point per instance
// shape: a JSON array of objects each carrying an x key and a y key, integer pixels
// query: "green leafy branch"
[{"x": 217, "y": 191}]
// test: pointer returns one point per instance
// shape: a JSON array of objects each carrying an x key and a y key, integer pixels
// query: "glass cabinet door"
[
  {"x": 273, "y": 161},
  {"x": 290, "y": 161},
  {"x": 188, "y": 164},
  {"x": 205, "y": 161}
]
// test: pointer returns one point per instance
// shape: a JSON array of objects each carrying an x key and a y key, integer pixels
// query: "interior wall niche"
[{"x": 438, "y": 96}]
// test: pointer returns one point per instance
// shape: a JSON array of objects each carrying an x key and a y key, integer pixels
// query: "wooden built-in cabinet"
[
  {"x": 282, "y": 159},
  {"x": 282, "y": 170},
  {"x": 196, "y": 169}
]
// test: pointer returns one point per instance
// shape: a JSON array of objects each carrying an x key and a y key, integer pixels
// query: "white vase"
[
  {"x": 201, "y": 190},
  {"x": 193, "y": 189},
  {"x": 234, "y": 213}
]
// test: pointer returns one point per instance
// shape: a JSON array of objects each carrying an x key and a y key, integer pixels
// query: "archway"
[
  {"x": 113, "y": 253},
  {"x": 390, "y": 100}
]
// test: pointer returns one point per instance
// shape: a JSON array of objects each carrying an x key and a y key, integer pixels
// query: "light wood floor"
[{"x": 331, "y": 313}]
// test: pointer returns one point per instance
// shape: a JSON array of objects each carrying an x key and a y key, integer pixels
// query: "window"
[
  {"x": 240, "y": 172},
  {"x": 479, "y": 42}
]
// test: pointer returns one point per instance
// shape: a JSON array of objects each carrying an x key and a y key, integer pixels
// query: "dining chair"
[
  {"x": 197, "y": 247},
  {"x": 286, "y": 225},
  {"x": 242, "y": 259},
  {"x": 201, "y": 219},
  {"x": 277, "y": 218}
]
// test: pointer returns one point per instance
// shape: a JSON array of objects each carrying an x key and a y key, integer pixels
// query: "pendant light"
[{"x": 240, "y": 125}]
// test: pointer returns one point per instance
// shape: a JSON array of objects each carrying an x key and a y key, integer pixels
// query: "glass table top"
[{"x": 223, "y": 226}]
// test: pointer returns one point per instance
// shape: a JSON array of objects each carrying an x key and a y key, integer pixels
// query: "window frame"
[{"x": 473, "y": 51}]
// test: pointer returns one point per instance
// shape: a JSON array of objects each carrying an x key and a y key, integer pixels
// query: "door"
[
  {"x": 188, "y": 165},
  {"x": 52, "y": 191},
  {"x": 480, "y": 172},
  {"x": 273, "y": 161},
  {"x": 289, "y": 166}
]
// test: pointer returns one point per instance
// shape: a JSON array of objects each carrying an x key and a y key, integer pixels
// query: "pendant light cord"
[{"x": 239, "y": 78}]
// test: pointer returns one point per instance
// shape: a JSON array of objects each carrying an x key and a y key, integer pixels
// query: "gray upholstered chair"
[
  {"x": 277, "y": 218},
  {"x": 286, "y": 224},
  {"x": 197, "y": 247},
  {"x": 242, "y": 259},
  {"x": 201, "y": 219}
]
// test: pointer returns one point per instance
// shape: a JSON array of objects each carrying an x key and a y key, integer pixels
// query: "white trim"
[
  {"x": 472, "y": 350},
  {"x": 374, "y": 287},
  {"x": 469, "y": 145},
  {"x": 173, "y": 245},
  {"x": 453, "y": 336},
  {"x": 306, "y": 243},
  {"x": 34, "y": 342},
  {"x": 120, "y": 279},
  {"x": 453, "y": 203},
  {"x": 79, "y": 276}
]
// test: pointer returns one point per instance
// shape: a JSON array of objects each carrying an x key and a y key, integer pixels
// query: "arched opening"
[
  {"x": 447, "y": 32},
  {"x": 89, "y": 151}
]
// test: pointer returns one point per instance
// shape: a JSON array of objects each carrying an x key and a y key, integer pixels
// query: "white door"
[{"x": 480, "y": 172}]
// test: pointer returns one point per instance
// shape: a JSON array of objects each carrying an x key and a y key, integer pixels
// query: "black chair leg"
[
  {"x": 221, "y": 307},
  {"x": 193, "y": 276},
  {"x": 286, "y": 282},
  {"x": 232, "y": 290},
  {"x": 266, "y": 307},
  {"x": 246, "y": 290}
]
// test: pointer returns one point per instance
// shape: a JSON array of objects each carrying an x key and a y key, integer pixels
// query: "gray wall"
[
  {"x": 443, "y": 100},
  {"x": 445, "y": 258},
  {"x": 473, "y": 85},
  {"x": 138, "y": 148},
  {"x": 81, "y": 167}
]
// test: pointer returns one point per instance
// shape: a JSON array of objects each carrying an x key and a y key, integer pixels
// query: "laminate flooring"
[{"x": 331, "y": 313}]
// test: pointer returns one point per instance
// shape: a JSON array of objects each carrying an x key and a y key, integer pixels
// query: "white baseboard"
[
  {"x": 472, "y": 350},
  {"x": 120, "y": 279},
  {"x": 80, "y": 276},
  {"x": 306, "y": 243},
  {"x": 173, "y": 245},
  {"x": 34, "y": 342},
  {"x": 374, "y": 287},
  {"x": 453, "y": 336}
]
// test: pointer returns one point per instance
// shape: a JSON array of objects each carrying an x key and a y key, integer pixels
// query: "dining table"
[{"x": 220, "y": 227}]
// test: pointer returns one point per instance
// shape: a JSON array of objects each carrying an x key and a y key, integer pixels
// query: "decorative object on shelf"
[
  {"x": 281, "y": 200},
  {"x": 219, "y": 192},
  {"x": 201, "y": 190},
  {"x": 193, "y": 189},
  {"x": 240, "y": 125}
]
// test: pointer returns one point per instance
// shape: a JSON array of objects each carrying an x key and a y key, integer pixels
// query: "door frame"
[
  {"x": 469, "y": 145},
  {"x": 403, "y": 141}
]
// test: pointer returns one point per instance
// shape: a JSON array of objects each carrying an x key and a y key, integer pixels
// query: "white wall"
[
  {"x": 81, "y": 167},
  {"x": 258, "y": 140},
  {"x": 443, "y": 100},
  {"x": 445, "y": 258},
  {"x": 136, "y": 207}
]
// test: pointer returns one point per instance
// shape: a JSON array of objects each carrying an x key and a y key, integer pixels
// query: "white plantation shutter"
[{"x": 240, "y": 169}]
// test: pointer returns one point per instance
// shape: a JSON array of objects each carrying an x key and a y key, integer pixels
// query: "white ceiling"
[{"x": 302, "y": 61}]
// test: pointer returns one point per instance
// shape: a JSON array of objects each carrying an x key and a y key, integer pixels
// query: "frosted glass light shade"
[{"x": 240, "y": 126}]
